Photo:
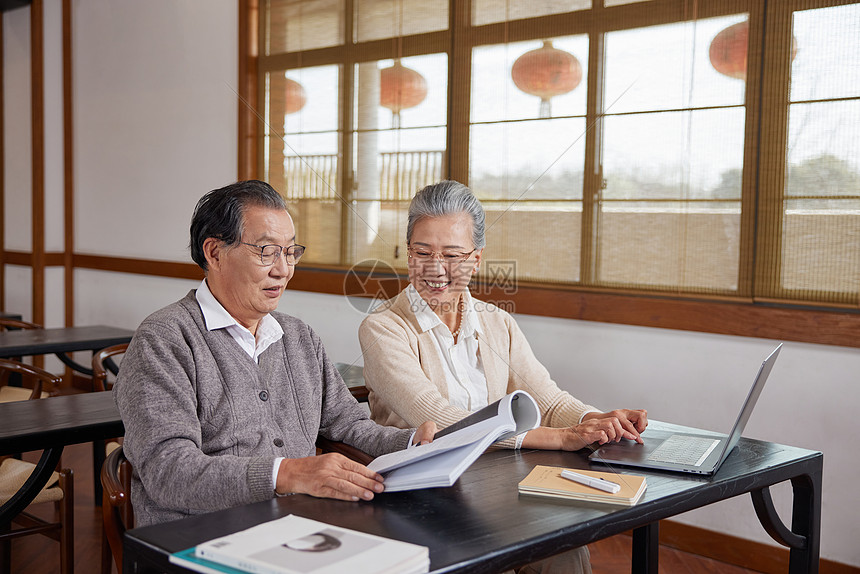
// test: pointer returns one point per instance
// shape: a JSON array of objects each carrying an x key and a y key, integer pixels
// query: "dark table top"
[
  {"x": 58, "y": 421},
  {"x": 5, "y": 315},
  {"x": 26, "y": 342},
  {"x": 481, "y": 524}
]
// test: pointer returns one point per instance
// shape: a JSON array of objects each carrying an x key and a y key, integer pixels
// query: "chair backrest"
[
  {"x": 104, "y": 364},
  {"x": 325, "y": 445},
  {"x": 39, "y": 379},
  {"x": 353, "y": 376},
  {"x": 117, "y": 512},
  {"x": 15, "y": 473},
  {"x": 6, "y": 324}
]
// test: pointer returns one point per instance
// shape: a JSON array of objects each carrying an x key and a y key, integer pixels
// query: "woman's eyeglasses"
[{"x": 423, "y": 255}]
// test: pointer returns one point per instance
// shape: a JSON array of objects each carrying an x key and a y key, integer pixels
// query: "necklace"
[{"x": 456, "y": 332}]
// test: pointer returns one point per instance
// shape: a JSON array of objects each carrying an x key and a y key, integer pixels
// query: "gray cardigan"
[{"x": 204, "y": 422}]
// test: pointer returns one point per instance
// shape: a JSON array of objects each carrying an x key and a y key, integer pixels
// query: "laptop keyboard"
[{"x": 683, "y": 449}]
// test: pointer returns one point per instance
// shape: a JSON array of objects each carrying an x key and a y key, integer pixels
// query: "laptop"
[{"x": 684, "y": 451}]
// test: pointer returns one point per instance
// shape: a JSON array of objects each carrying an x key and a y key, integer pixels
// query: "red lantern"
[
  {"x": 728, "y": 51},
  {"x": 545, "y": 73},
  {"x": 295, "y": 96},
  {"x": 401, "y": 88}
]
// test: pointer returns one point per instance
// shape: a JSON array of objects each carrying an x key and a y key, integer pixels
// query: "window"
[
  {"x": 526, "y": 156},
  {"x": 348, "y": 171},
  {"x": 669, "y": 208},
  {"x": 399, "y": 148},
  {"x": 685, "y": 149},
  {"x": 820, "y": 240},
  {"x": 301, "y": 152}
]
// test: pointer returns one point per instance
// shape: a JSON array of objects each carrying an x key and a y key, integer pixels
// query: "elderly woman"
[{"x": 433, "y": 352}]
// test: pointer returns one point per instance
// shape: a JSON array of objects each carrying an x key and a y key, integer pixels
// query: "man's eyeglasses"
[
  {"x": 269, "y": 254},
  {"x": 423, "y": 255}
]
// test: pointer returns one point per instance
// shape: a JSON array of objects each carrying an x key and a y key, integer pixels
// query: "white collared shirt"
[
  {"x": 464, "y": 371},
  {"x": 216, "y": 317}
]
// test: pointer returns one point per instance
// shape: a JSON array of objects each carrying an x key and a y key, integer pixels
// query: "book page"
[
  {"x": 455, "y": 448},
  {"x": 454, "y": 440}
]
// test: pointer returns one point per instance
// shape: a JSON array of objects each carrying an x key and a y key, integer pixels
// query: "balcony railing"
[
  {"x": 400, "y": 175},
  {"x": 310, "y": 177}
]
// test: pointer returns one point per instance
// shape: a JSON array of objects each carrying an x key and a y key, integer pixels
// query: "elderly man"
[{"x": 222, "y": 396}]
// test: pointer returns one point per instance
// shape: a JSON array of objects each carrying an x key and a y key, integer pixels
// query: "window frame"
[{"x": 768, "y": 313}]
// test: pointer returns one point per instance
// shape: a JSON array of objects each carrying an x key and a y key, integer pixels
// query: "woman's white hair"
[{"x": 447, "y": 198}]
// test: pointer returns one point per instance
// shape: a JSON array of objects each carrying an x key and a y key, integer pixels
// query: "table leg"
[
  {"x": 98, "y": 461},
  {"x": 646, "y": 549},
  {"x": 804, "y": 538},
  {"x": 806, "y": 521}
]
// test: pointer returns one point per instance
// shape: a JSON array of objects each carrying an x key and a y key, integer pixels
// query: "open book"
[
  {"x": 293, "y": 544},
  {"x": 456, "y": 447}
]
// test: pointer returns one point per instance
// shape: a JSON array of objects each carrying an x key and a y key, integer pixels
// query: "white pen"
[{"x": 599, "y": 483}]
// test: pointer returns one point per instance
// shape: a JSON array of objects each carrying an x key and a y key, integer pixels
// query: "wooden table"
[
  {"x": 59, "y": 341},
  {"x": 481, "y": 524},
  {"x": 51, "y": 424}
]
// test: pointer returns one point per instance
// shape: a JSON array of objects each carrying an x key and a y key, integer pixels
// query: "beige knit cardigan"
[{"x": 404, "y": 373}]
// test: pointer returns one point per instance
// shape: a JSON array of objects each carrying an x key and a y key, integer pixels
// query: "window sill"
[{"x": 742, "y": 318}]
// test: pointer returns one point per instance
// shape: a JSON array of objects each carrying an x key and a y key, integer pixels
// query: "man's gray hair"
[
  {"x": 447, "y": 198},
  {"x": 221, "y": 214}
]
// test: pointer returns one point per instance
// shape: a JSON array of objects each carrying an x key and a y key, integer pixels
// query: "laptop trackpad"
[
  {"x": 630, "y": 450},
  {"x": 632, "y": 453}
]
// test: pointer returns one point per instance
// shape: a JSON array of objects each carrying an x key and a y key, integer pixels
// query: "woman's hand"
[
  {"x": 425, "y": 433},
  {"x": 632, "y": 421},
  {"x": 599, "y": 428}
]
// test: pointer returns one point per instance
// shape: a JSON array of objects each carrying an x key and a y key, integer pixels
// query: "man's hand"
[
  {"x": 425, "y": 433},
  {"x": 329, "y": 475}
]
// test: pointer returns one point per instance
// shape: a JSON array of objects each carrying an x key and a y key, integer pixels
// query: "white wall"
[
  {"x": 17, "y": 142},
  {"x": 155, "y": 120},
  {"x": 155, "y": 127}
]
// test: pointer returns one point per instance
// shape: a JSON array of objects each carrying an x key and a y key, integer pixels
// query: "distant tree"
[
  {"x": 729, "y": 186},
  {"x": 522, "y": 187},
  {"x": 824, "y": 175},
  {"x": 821, "y": 176}
]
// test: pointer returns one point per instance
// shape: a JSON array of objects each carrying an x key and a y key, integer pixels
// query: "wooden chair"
[
  {"x": 325, "y": 445},
  {"x": 117, "y": 501},
  {"x": 7, "y": 324},
  {"x": 10, "y": 393},
  {"x": 103, "y": 365},
  {"x": 12, "y": 324},
  {"x": 117, "y": 512},
  {"x": 36, "y": 383},
  {"x": 353, "y": 376},
  {"x": 59, "y": 490}
]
